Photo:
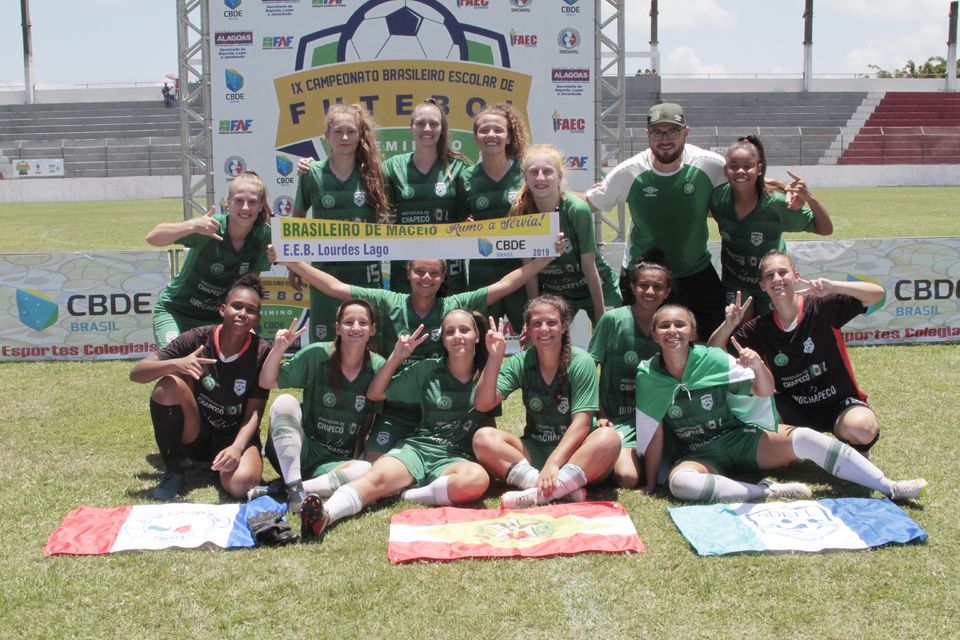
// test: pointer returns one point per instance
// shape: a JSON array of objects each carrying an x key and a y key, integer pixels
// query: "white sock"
[
  {"x": 838, "y": 459},
  {"x": 325, "y": 485},
  {"x": 569, "y": 479},
  {"x": 687, "y": 484},
  {"x": 522, "y": 474},
  {"x": 344, "y": 502},
  {"x": 434, "y": 493},
  {"x": 287, "y": 436}
]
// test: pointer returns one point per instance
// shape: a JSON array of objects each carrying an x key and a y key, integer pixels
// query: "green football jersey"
[
  {"x": 396, "y": 317},
  {"x": 210, "y": 267},
  {"x": 448, "y": 416},
  {"x": 667, "y": 211},
  {"x": 548, "y": 418},
  {"x": 618, "y": 344},
  {"x": 564, "y": 276},
  {"x": 332, "y": 419},
  {"x": 744, "y": 242}
]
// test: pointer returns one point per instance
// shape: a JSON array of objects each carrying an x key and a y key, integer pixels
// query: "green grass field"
[{"x": 79, "y": 433}]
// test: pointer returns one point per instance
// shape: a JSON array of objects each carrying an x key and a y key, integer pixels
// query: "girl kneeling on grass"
[
  {"x": 560, "y": 451},
  {"x": 436, "y": 457},
  {"x": 207, "y": 403},
  {"x": 712, "y": 410},
  {"x": 320, "y": 437}
]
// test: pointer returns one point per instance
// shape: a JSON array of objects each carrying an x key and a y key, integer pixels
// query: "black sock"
[
  {"x": 864, "y": 448},
  {"x": 167, "y": 429}
]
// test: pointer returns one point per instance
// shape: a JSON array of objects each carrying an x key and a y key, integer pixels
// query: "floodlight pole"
[
  {"x": 28, "y": 96},
  {"x": 952, "y": 48},
  {"x": 808, "y": 46}
]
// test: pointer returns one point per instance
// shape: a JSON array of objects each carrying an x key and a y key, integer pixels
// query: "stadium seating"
[
  {"x": 909, "y": 128},
  {"x": 796, "y": 128},
  {"x": 97, "y": 139}
]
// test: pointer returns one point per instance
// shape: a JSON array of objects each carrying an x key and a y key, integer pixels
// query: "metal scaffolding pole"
[
  {"x": 193, "y": 102},
  {"x": 608, "y": 141}
]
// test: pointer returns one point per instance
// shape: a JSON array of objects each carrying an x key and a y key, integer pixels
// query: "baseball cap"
[{"x": 669, "y": 112}]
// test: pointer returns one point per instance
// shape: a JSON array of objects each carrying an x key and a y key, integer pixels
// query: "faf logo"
[
  {"x": 234, "y": 166},
  {"x": 236, "y": 126},
  {"x": 277, "y": 42},
  {"x": 576, "y": 163},
  {"x": 328, "y": 3}
]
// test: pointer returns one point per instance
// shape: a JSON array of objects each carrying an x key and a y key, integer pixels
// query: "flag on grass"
[
  {"x": 804, "y": 525},
  {"x": 449, "y": 533},
  {"x": 90, "y": 531}
]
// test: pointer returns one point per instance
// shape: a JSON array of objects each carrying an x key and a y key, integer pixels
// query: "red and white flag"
[{"x": 450, "y": 533}]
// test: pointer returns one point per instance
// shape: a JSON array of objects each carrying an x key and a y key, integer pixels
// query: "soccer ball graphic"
[
  {"x": 402, "y": 30},
  {"x": 394, "y": 30}
]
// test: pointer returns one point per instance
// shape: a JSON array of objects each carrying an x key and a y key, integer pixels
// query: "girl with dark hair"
[
  {"x": 752, "y": 214},
  {"x": 560, "y": 450},
  {"x": 490, "y": 189},
  {"x": 348, "y": 185},
  {"x": 621, "y": 340},
  {"x": 715, "y": 413},
  {"x": 222, "y": 247},
  {"x": 207, "y": 403},
  {"x": 580, "y": 275},
  {"x": 320, "y": 438},
  {"x": 424, "y": 187},
  {"x": 436, "y": 458},
  {"x": 402, "y": 313}
]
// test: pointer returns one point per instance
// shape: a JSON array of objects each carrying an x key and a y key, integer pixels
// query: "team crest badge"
[
  {"x": 564, "y": 405},
  {"x": 688, "y": 188},
  {"x": 808, "y": 345},
  {"x": 216, "y": 268},
  {"x": 321, "y": 331},
  {"x": 360, "y": 402},
  {"x": 706, "y": 402},
  {"x": 435, "y": 334},
  {"x": 239, "y": 387},
  {"x": 244, "y": 267},
  {"x": 444, "y": 402},
  {"x": 536, "y": 404},
  {"x": 359, "y": 198},
  {"x": 780, "y": 359},
  {"x": 440, "y": 189},
  {"x": 329, "y": 399},
  {"x": 675, "y": 412},
  {"x": 511, "y": 196},
  {"x": 567, "y": 245},
  {"x": 407, "y": 192},
  {"x": 208, "y": 382},
  {"x": 483, "y": 202},
  {"x": 756, "y": 238},
  {"x": 630, "y": 357},
  {"x": 383, "y": 438},
  {"x": 327, "y": 201}
]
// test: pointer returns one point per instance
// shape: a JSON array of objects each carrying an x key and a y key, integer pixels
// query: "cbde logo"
[
  {"x": 38, "y": 312},
  {"x": 233, "y": 10},
  {"x": 569, "y": 7},
  {"x": 284, "y": 168},
  {"x": 234, "y": 81}
]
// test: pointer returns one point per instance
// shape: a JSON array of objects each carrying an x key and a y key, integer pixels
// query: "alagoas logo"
[
  {"x": 567, "y": 124},
  {"x": 522, "y": 39}
]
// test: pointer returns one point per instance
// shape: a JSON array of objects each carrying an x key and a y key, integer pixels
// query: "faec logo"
[
  {"x": 522, "y": 39},
  {"x": 575, "y": 125}
]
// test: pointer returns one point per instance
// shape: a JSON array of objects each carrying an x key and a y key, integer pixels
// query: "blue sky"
[{"x": 124, "y": 41}]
